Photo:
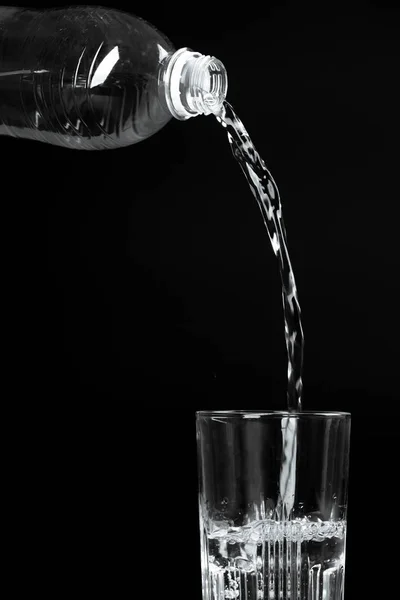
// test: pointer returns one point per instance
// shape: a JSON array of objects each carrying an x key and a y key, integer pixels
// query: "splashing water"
[{"x": 266, "y": 193}]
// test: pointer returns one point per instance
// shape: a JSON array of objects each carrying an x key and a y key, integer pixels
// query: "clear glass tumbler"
[{"x": 273, "y": 503}]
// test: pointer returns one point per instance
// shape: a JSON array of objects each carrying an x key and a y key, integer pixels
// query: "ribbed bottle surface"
[{"x": 82, "y": 77}]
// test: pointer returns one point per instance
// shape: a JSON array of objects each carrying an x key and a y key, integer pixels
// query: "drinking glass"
[{"x": 272, "y": 504}]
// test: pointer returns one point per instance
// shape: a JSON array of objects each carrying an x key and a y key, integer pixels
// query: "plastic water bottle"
[{"x": 95, "y": 78}]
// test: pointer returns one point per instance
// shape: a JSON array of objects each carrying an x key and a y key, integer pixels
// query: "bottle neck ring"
[{"x": 194, "y": 84}]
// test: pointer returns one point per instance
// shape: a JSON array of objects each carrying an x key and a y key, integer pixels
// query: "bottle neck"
[{"x": 193, "y": 84}]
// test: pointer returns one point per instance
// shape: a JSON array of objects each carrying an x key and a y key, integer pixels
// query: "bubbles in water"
[{"x": 292, "y": 560}]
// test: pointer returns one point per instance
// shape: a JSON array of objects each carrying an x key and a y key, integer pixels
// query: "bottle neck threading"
[{"x": 194, "y": 84}]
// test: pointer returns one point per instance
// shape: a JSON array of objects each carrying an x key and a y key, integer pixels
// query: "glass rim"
[{"x": 231, "y": 414}]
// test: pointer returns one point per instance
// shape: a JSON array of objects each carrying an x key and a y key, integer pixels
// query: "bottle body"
[{"x": 82, "y": 77}]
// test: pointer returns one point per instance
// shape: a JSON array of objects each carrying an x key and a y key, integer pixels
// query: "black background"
[{"x": 143, "y": 287}]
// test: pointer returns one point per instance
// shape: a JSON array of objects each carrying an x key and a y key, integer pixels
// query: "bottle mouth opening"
[
  {"x": 206, "y": 81},
  {"x": 195, "y": 84}
]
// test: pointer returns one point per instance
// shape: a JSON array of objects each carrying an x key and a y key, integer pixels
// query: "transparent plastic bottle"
[{"x": 95, "y": 78}]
